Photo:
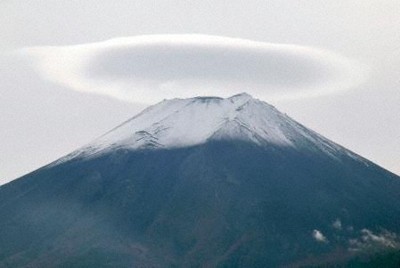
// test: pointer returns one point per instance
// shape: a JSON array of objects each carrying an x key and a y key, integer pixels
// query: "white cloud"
[
  {"x": 319, "y": 236},
  {"x": 154, "y": 67}
]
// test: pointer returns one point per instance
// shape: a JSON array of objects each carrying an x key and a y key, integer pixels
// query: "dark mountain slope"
[{"x": 224, "y": 203}]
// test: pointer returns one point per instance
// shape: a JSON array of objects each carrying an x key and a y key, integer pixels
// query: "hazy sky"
[{"x": 41, "y": 118}]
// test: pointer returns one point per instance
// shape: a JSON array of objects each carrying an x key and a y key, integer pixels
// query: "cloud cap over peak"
[{"x": 153, "y": 67}]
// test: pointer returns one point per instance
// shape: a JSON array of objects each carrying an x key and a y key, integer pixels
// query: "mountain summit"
[
  {"x": 188, "y": 122},
  {"x": 203, "y": 182},
  {"x": 179, "y": 123}
]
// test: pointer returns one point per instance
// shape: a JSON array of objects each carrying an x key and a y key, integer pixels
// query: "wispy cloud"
[
  {"x": 337, "y": 224},
  {"x": 154, "y": 67},
  {"x": 369, "y": 240}
]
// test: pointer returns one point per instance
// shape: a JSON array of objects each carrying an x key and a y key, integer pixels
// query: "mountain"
[{"x": 203, "y": 182}]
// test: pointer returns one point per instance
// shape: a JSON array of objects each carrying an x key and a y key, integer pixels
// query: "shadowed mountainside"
[{"x": 228, "y": 204}]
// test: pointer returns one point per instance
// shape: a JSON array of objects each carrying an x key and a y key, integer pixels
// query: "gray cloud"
[
  {"x": 337, "y": 224},
  {"x": 154, "y": 67}
]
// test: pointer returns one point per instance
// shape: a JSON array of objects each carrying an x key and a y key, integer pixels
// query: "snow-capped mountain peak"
[
  {"x": 240, "y": 97},
  {"x": 189, "y": 122}
]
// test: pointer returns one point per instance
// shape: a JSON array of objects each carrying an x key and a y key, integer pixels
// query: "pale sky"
[{"x": 352, "y": 47}]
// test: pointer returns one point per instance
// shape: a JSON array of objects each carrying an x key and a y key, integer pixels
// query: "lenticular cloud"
[{"x": 150, "y": 68}]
